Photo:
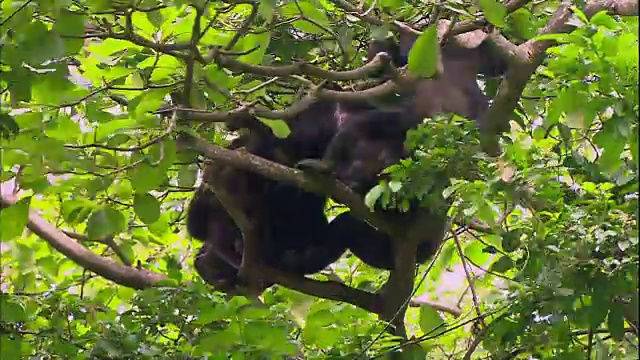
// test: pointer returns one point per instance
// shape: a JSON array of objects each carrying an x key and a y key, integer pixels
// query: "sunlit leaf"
[
  {"x": 503, "y": 265},
  {"x": 431, "y": 322},
  {"x": 308, "y": 11},
  {"x": 146, "y": 207},
  {"x": 258, "y": 43},
  {"x": 105, "y": 222},
  {"x": 14, "y": 218},
  {"x": 279, "y": 127},
  {"x": 494, "y": 11},
  {"x": 425, "y": 53},
  {"x": 373, "y": 195},
  {"x": 474, "y": 251}
]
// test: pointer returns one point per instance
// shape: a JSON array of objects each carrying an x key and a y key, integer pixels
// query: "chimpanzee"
[
  {"x": 366, "y": 141},
  {"x": 369, "y": 141}
]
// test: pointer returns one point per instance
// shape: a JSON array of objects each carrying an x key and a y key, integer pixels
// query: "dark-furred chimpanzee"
[{"x": 369, "y": 141}]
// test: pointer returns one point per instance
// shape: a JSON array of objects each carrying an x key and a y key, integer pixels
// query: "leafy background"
[{"x": 558, "y": 279}]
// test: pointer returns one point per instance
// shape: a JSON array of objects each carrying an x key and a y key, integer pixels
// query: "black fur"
[
  {"x": 374, "y": 247},
  {"x": 364, "y": 147}
]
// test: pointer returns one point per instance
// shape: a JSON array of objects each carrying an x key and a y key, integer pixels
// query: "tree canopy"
[{"x": 108, "y": 107}]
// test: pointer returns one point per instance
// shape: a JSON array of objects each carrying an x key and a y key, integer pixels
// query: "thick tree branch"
[
  {"x": 142, "y": 278},
  {"x": 108, "y": 241},
  {"x": 107, "y": 268},
  {"x": 331, "y": 290},
  {"x": 278, "y": 172}
]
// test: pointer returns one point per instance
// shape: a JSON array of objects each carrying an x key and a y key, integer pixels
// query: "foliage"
[{"x": 561, "y": 260}]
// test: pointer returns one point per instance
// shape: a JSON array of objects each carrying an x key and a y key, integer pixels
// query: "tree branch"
[
  {"x": 278, "y": 172},
  {"x": 424, "y": 300},
  {"x": 107, "y": 268},
  {"x": 141, "y": 278}
]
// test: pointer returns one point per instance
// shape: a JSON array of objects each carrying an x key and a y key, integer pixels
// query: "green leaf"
[
  {"x": 160, "y": 227},
  {"x": 579, "y": 14},
  {"x": 391, "y": 5},
  {"x": 395, "y": 186},
  {"x": 63, "y": 128},
  {"x": 104, "y": 223},
  {"x": 309, "y": 11},
  {"x": 633, "y": 145},
  {"x": 266, "y": 8},
  {"x": 163, "y": 154},
  {"x": 11, "y": 346},
  {"x": 379, "y": 32},
  {"x": 414, "y": 352},
  {"x": 474, "y": 251},
  {"x": 279, "y": 127},
  {"x": 615, "y": 322},
  {"x": 510, "y": 241},
  {"x": 14, "y": 219},
  {"x": 109, "y": 47},
  {"x": 521, "y": 21},
  {"x": 373, "y": 195},
  {"x": 208, "y": 314},
  {"x": 425, "y": 53},
  {"x": 146, "y": 207},
  {"x": 599, "y": 303},
  {"x": 125, "y": 293},
  {"x": 118, "y": 140},
  {"x": 41, "y": 44},
  {"x": 111, "y": 128},
  {"x": 11, "y": 310},
  {"x": 145, "y": 178},
  {"x": 443, "y": 260},
  {"x": 431, "y": 323},
  {"x": 20, "y": 82},
  {"x": 141, "y": 21},
  {"x": 49, "y": 264},
  {"x": 560, "y": 38},
  {"x": 165, "y": 68},
  {"x": 259, "y": 42},
  {"x": 70, "y": 25},
  {"x": 155, "y": 18},
  {"x": 612, "y": 143},
  {"x": 148, "y": 101},
  {"x": 187, "y": 176},
  {"x": 503, "y": 265},
  {"x": 127, "y": 250},
  {"x": 8, "y": 126},
  {"x": 495, "y": 12}
]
